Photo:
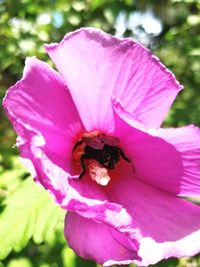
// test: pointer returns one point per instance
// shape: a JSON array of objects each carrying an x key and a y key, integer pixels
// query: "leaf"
[
  {"x": 70, "y": 259},
  {"x": 11, "y": 178},
  {"x": 28, "y": 213},
  {"x": 20, "y": 262}
]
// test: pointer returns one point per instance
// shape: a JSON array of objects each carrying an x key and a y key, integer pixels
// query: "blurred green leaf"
[
  {"x": 11, "y": 178},
  {"x": 20, "y": 262},
  {"x": 69, "y": 257},
  {"x": 28, "y": 213}
]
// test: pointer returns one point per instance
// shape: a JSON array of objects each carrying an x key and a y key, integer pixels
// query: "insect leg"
[
  {"x": 83, "y": 167},
  {"x": 123, "y": 155},
  {"x": 76, "y": 145},
  {"x": 125, "y": 158}
]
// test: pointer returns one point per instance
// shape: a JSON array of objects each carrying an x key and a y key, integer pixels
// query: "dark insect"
[{"x": 101, "y": 148}]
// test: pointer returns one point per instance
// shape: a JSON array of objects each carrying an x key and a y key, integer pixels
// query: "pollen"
[{"x": 98, "y": 173}]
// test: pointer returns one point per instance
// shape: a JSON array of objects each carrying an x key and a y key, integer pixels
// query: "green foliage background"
[{"x": 31, "y": 226}]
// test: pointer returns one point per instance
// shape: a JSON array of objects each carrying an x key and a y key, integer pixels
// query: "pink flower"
[{"x": 99, "y": 121}]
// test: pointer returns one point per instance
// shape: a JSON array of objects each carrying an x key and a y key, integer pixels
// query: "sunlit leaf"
[
  {"x": 20, "y": 262},
  {"x": 28, "y": 213}
]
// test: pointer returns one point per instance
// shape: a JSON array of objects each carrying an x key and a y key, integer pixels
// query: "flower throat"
[{"x": 98, "y": 153}]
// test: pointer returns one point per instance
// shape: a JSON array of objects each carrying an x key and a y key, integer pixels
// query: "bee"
[{"x": 99, "y": 147}]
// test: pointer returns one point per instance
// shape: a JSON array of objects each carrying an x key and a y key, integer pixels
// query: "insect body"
[{"x": 100, "y": 147}]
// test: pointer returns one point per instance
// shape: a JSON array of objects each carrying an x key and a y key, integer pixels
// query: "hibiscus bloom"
[{"x": 91, "y": 136}]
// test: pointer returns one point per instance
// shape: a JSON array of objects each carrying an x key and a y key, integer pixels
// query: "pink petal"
[
  {"x": 98, "y": 242},
  {"x": 168, "y": 225},
  {"x": 166, "y": 158},
  {"x": 84, "y": 197},
  {"x": 186, "y": 140},
  {"x": 41, "y": 110},
  {"x": 97, "y": 66},
  {"x": 46, "y": 120}
]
